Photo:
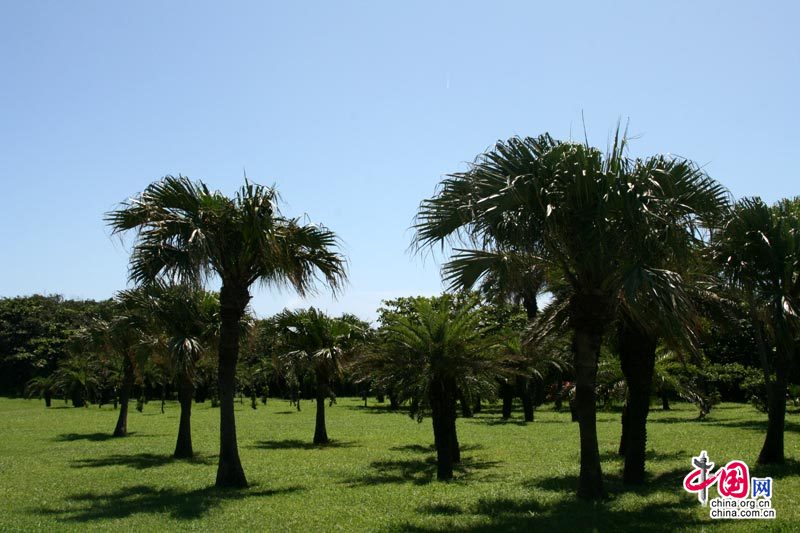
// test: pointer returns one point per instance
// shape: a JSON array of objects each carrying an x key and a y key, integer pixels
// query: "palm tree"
[
  {"x": 501, "y": 278},
  {"x": 581, "y": 217},
  {"x": 427, "y": 356},
  {"x": 758, "y": 250},
  {"x": 120, "y": 337},
  {"x": 189, "y": 233},
  {"x": 185, "y": 321},
  {"x": 318, "y": 344},
  {"x": 42, "y": 387},
  {"x": 77, "y": 377}
]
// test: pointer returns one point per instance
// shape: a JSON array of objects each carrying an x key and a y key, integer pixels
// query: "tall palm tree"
[
  {"x": 427, "y": 355},
  {"x": 185, "y": 320},
  {"x": 318, "y": 344},
  {"x": 758, "y": 250},
  {"x": 581, "y": 216},
  {"x": 187, "y": 232}
]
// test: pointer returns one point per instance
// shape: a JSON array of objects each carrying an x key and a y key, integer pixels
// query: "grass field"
[{"x": 60, "y": 470}]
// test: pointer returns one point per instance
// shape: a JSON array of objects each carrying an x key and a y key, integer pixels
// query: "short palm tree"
[
  {"x": 121, "y": 337},
  {"x": 314, "y": 343},
  {"x": 584, "y": 218},
  {"x": 502, "y": 276},
  {"x": 758, "y": 250},
  {"x": 42, "y": 387},
  {"x": 186, "y": 232},
  {"x": 77, "y": 377},
  {"x": 427, "y": 356},
  {"x": 185, "y": 321}
]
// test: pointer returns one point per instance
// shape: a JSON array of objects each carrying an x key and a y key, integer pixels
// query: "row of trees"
[
  {"x": 645, "y": 261},
  {"x": 644, "y": 248}
]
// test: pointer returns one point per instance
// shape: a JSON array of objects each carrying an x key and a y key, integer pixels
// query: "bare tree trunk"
[
  {"x": 589, "y": 317},
  {"x": 233, "y": 301},
  {"x": 772, "y": 452},
  {"x": 183, "y": 446},
  {"x": 124, "y": 397},
  {"x": 443, "y": 414},
  {"x": 528, "y": 388},
  {"x": 507, "y": 394},
  {"x": 637, "y": 351},
  {"x": 320, "y": 431},
  {"x": 665, "y": 401},
  {"x": 466, "y": 408}
]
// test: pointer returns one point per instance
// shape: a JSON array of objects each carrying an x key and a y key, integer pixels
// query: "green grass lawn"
[{"x": 60, "y": 469}]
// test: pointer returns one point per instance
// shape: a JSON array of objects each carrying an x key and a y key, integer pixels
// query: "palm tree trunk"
[
  {"x": 507, "y": 394},
  {"x": 637, "y": 351},
  {"x": 455, "y": 448},
  {"x": 466, "y": 408},
  {"x": 772, "y": 450},
  {"x": 665, "y": 401},
  {"x": 528, "y": 389},
  {"x": 589, "y": 317},
  {"x": 183, "y": 447},
  {"x": 443, "y": 414},
  {"x": 48, "y": 398},
  {"x": 320, "y": 432},
  {"x": 559, "y": 396},
  {"x": 124, "y": 397},
  {"x": 232, "y": 305}
]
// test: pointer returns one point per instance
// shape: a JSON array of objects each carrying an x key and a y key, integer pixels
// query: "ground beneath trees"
[{"x": 60, "y": 469}]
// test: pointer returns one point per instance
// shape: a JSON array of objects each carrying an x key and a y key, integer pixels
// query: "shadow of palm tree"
[
  {"x": 92, "y": 437},
  {"x": 139, "y": 461},
  {"x": 297, "y": 444},
  {"x": 440, "y": 509},
  {"x": 669, "y": 482},
  {"x": 416, "y": 471},
  {"x": 760, "y": 425},
  {"x": 789, "y": 468},
  {"x": 650, "y": 455},
  {"x": 138, "y": 499},
  {"x": 419, "y": 448},
  {"x": 498, "y": 421},
  {"x": 378, "y": 409},
  {"x": 507, "y": 514}
]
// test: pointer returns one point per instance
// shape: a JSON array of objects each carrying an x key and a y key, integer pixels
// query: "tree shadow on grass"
[
  {"x": 92, "y": 437},
  {"x": 138, "y": 499},
  {"x": 789, "y": 468},
  {"x": 570, "y": 513},
  {"x": 670, "y": 482},
  {"x": 378, "y": 409},
  {"x": 507, "y": 514},
  {"x": 297, "y": 444},
  {"x": 490, "y": 421},
  {"x": 440, "y": 509},
  {"x": 417, "y": 471},
  {"x": 650, "y": 455},
  {"x": 755, "y": 425},
  {"x": 139, "y": 461},
  {"x": 419, "y": 448}
]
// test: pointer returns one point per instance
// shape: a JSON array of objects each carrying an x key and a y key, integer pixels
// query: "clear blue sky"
[{"x": 356, "y": 111}]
